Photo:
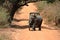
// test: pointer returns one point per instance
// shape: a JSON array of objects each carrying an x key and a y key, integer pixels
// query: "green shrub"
[
  {"x": 3, "y": 16},
  {"x": 49, "y": 11},
  {"x": 50, "y": 1}
]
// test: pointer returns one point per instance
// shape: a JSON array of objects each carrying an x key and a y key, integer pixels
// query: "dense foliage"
[
  {"x": 10, "y": 7},
  {"x": 50, "y": 11}
]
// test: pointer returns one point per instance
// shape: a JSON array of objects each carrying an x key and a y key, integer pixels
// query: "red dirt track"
[{"x": 23, "y": 33}]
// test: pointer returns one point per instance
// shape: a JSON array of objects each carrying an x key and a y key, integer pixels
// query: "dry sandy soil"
[{"x": 23, "y": 33}]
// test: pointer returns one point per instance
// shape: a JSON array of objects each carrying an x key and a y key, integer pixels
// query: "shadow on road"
[
  {"x": 49, "y": 28},
  {"x": 18, "y": 20},
  {"x": 19, "y": 27},
  {"x": 27, "y": 26}
]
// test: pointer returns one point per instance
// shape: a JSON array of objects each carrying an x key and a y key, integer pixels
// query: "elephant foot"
[
  {"x": 34, "y": 29},
  {"x": 39, "y": 29}
]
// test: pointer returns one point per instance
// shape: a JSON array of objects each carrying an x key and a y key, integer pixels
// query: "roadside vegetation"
[
  {"x": 50, "y": 12},
  {"x": 3, "y": 17},
  {"x": 8, "y": 9}
]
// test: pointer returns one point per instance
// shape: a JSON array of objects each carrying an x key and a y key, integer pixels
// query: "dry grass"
[
  {"x": 49, "y": 11},
  {"x": 3, "y": 17}
]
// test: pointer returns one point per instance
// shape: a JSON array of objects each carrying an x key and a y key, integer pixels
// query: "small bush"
[
  {"x": 57, "y": 20},
  {"x": 50, "y": 1},
  {"x": 3, "y": 16}
]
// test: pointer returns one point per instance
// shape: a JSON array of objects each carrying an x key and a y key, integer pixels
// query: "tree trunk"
[{"x": 14, "y": 9}]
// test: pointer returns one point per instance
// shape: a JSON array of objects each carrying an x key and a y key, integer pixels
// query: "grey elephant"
[{"x": 35, "y": 20}]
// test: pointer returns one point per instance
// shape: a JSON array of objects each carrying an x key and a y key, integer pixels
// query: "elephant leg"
[
  {"x": 40, "y": 25},
  {"x": 33, "y": 27},
  {"x": 29, "y": 27}
]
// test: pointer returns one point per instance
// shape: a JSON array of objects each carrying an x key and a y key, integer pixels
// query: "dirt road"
[
  {"x": 24, "y": 14},
  {"x": 24, "y": 34}
]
